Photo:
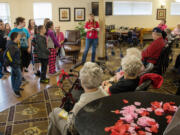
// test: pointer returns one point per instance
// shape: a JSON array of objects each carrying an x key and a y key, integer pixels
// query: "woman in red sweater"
[{"x": 92, "y": 28}]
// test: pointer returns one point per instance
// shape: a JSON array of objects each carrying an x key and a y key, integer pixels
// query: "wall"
[{"x": 25, "y": 8}]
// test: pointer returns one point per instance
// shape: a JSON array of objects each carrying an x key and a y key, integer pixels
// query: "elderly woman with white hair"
[
  {"x": 130, "y": 51},
  {"x": 131, "y": 67},
  {"x": 91, "y": 79},
  {"x": 134, "y": 51}
]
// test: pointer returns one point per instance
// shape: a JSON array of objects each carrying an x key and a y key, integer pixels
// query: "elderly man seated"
[
  {"x": 153, "y": 51},
  {"x": 129, "y": 80},
  {"x": 91, "y": 79}
]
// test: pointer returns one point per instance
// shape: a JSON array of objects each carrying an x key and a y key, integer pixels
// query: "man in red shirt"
[{"x": 153, "y": 51}]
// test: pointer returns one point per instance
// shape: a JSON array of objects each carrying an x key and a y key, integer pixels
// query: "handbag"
[{"x": 50, "y": 43}]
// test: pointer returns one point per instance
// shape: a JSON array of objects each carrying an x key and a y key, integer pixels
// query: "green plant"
[{"x": 81, "y": 28}]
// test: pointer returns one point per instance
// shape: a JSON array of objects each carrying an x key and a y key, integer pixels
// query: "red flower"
[
  {"x": 154, "y": 129},
  {"x": 108, "y": 129},
  {"x": 159, "y": 112},
  {"x": 152, "y": 123},
  {"x": 156, "y": 104},
  {"x": 125, "y": 101},
  {"x": 169, "y": 118},
  {"x": 117, "y": 112},
  {"x": 144, "y": 113},
  {"x": 167, "y": 107},
  {"x": 172, "y": 103}
]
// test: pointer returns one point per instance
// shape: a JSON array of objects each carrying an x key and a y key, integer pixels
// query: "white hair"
[
  {"x": 91, "y": 75},
  {"x": 134, "y": 51},
  {"x": 131, "y": 65}
]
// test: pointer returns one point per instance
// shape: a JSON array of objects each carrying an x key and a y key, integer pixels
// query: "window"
[
  {"x": 41, "y": 11},
  {"x": 175, "y": 8},
  {"x": 132, "y": 8},
  {"x": 5, "y": 12}
]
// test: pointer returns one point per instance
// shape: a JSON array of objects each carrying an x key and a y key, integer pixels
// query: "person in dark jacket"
[
  {"x": 129, "y": 80},
  {"x": 16, "y": 75},
  {"x": 3, "y": 41},
  {"x": 42, "y": 52}
]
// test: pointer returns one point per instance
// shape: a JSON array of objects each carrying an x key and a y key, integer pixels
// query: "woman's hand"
[
  {"x": 119, "y": 75},
  {"x": 106, "y": 88},
  {"x": 104, "y": 83}
]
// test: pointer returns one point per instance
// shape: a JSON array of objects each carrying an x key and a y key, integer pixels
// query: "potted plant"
[{"x": 81, "y": 28}]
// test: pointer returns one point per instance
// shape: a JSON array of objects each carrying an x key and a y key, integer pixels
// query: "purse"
[{"x": 50, "y": 43}]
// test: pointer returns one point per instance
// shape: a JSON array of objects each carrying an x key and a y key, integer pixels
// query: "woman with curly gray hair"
[
  {"x": 131, "y": 67},
  {"x": 91, "y": 79}
]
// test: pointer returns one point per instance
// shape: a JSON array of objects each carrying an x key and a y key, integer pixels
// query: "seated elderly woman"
[
  {"x": 91, "y": 79},
  {"x": 130, "y": 51},
  {"x": 131, "y": 67}
]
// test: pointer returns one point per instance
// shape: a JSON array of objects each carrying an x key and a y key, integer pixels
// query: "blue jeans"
[
  {"x": 90, "y": 42},
  {"x": 16, "y": 78}
]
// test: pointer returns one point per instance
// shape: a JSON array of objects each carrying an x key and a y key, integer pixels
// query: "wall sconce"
[{"x": 163, "y": 3}]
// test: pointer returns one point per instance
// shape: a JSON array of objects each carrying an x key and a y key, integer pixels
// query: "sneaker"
[
  {"x": 44, "y": 81},
  {"x": 17, "y": 94}
]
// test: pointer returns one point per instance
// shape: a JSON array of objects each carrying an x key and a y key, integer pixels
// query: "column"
[{"x": 101, "y": 47}]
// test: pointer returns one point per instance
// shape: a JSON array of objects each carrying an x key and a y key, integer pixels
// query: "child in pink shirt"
[{"x": 162, "y": 25}]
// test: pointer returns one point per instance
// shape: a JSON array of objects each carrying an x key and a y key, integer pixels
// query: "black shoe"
[
  {"x": 21, "y": 89},
  {"x": 17, "y": 94}
]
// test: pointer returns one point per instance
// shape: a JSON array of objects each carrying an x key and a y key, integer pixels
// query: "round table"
[{"x": 95, "y": 116}]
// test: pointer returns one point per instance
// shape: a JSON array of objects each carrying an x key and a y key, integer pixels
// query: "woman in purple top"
[{"x": 52, "y": 44}]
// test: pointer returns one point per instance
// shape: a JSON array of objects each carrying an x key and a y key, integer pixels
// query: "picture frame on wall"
[
  {"x": 108, "y": 8},
  {"x": 161, "y": 14},
  {"x": 79, "y": 14},
  {"x": 64, "y": 14},
  {"x": 95, "y": 8}
]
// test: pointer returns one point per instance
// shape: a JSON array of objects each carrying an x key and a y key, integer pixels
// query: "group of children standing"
[{"x": 41, "y": 43}]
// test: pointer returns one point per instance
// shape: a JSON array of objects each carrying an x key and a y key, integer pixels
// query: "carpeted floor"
[{"x": 30, "y": 117}]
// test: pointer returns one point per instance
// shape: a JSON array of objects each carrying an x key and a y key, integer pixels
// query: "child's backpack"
[{"x": 7, "y": 58}]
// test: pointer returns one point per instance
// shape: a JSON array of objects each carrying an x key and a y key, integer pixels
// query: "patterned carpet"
[{"x": 30, "y": 117}]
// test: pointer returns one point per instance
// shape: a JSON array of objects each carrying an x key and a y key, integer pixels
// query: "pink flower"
[
  {"x": 144, "y": 121},
  {"x": 137, "y": 103}
]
